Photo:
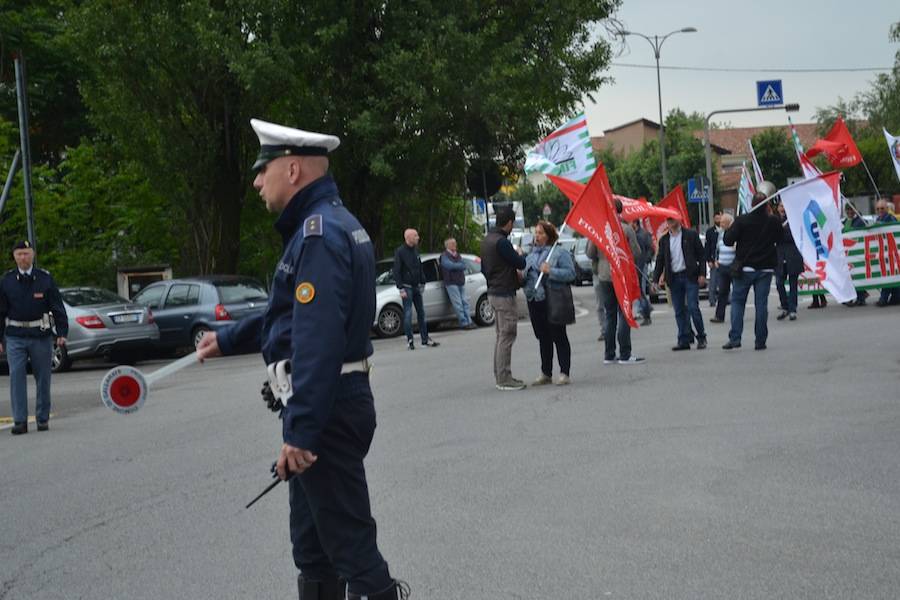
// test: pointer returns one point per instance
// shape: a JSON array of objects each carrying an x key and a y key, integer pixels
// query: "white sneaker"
[
  {"x": 562, "y": 380},
  {"x": 542, "y": 380}
]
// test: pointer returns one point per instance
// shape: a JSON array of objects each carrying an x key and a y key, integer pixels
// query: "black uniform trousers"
[{"x": 332, "y": 529}]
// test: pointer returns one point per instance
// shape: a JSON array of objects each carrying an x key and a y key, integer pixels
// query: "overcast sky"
[{"x": 770, "y": 34}]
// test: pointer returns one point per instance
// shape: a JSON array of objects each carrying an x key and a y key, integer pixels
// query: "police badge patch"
[{"x": 305, "y": 293}]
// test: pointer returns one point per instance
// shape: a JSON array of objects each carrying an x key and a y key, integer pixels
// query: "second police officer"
[
  {"x": 30, "y": 309},
  {"x": 314, "y": 338}
]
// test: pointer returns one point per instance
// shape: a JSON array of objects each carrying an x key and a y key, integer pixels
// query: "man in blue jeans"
[
  {"x": 410, "y": 280},
  {"x": 756, "y": 234},
  {"x": 681, "y": 265},
  {"x": 28, "y": 299},
  {"x": 453, "y": 271}
]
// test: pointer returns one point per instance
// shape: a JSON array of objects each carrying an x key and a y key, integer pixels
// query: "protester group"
[{"x": 736, "y": 256}]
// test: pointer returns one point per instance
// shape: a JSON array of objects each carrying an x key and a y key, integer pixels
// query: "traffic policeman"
[
  {"x": 314, "y": 338},
  {"x": 30, "y": 309}
]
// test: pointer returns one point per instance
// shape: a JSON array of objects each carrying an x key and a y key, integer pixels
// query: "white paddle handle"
[{"x": 171, "y": 368}]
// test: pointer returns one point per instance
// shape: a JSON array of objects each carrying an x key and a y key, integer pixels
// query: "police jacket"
[
  {"x": 755, "y": 234},
  {"x": 499, "y": 262},
  {"x": 321, "y": 307},
  {"x": 29, "y": 297},
  {"x": 408, "y": 267}
]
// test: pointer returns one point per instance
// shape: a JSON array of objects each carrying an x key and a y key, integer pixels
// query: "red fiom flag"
[
  {"x": 632, "y": 208},
  {"x": 675, "y": 201},
  {"x": 594, "y": 216},
  {"x": 838, "y": 147}
]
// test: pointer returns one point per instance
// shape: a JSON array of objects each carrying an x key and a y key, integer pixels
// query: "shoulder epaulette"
[{"x": 312, "y": 226}]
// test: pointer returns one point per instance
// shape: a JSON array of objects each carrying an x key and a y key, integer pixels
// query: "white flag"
[
  {"x": 745, "y": 191},
  {"x": 894, "y": 146},
  {"x": 566, "y": 152},
  {"x": 757, "y": 172},
  {"x": 813, "y": 213}
]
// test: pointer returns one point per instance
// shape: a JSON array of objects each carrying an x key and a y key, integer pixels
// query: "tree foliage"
[{"x": 638, "y": 174}]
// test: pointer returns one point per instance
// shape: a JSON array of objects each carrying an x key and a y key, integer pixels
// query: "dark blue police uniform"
[
  {"x": 27, "y": 300},
  {"x": 319, "y": 316}
]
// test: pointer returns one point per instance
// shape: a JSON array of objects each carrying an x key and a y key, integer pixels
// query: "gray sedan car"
[
  {"x": 389, "y": 305},
  {"x": 187, "y": 308},
  {"x": 102, "y": 324}
]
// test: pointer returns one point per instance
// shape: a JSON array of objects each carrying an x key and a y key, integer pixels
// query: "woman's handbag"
[{"x": 560, "y": 305}]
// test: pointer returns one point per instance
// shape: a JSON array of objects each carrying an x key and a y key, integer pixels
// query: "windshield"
[
  {"x": 581, "y": 245},
  {"x": 567, "y": 244},
  {"x": 87, "y": 296},
  {"x": 245, "y": 290}
]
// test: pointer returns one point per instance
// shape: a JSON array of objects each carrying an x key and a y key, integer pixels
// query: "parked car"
[
  {"x": 389, "y": 305},
  {"x": 103, "y": 325},
  {"x": 187, "y": 308},
  {"x": 583, "y": 272}
]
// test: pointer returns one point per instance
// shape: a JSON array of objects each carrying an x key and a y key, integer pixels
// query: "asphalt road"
[{"x": 701, "y": 474}]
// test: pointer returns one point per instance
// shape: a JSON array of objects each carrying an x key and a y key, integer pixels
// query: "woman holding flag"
[{"x": 558, "y": 269}]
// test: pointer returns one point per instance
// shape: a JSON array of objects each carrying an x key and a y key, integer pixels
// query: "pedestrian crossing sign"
[{"x": 768, "y": 93}]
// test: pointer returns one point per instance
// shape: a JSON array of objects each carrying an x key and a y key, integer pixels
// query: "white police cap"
[{"x": 277, "y": 140}]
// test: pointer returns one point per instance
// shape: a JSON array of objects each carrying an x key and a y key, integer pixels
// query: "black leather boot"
[
  {"x": 20, "y": 428},
  {"x": 331, "y": 589}
]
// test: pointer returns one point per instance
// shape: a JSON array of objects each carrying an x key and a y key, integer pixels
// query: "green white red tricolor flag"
[
  {"x": 809, "y": 170},
  {"x": 814, "y": 215},
  {"x": 566, "y": 152},
  {"x": 894, "y": 146}
]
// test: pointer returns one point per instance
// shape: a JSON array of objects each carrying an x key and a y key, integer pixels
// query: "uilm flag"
[
  {"x": 594, "y": 216},
  {"x": 838, "y": 147},
  {"x": 813, "y": 213}
]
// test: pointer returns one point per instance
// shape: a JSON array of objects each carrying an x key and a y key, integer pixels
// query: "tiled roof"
[{"x": 734, "y": 139}]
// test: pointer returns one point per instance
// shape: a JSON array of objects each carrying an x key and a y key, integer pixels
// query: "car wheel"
[
  {"x": 60, "y": 360},
  {"x": 390, "y": 321},
  {"x": 198, "y": 333},
  {"x": 484, "y": 312}
]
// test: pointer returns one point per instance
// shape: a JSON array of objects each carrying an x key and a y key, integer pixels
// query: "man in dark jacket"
[
  {"x": 789, "y": 265},
  {"x": 453, "y": 271},
  {"x": 854, "y": 221},
  {"x": 500, "y": 264},
  {"x": 410, "y": 280},
  {"x": 681, "y": 266},
  {"x": 711, "y": 241},
  {"x": 756, "y": 234}
]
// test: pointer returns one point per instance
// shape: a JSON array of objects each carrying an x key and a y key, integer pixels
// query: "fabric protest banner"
[
  {"x": 809, "y": 170},
  {"x": 837, "y": 146},
  {"x": 745, "y": 190},
  {"x": 894, "y": 147},
  {"x": 674, "y": 200},
  {"x": 566, "y": 152},
  {"x": 757, "y": 172},
  {"x": 632, "y": 208},
  {"x": 594, "y": 216},
  {"x": 814, "y": 216},
  {"x": 873, "y": 256}
]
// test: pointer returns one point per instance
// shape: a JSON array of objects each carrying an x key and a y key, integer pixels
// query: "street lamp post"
[
  {"x": 656, "y": 42},
  {"x": 786, "y": 107}
]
